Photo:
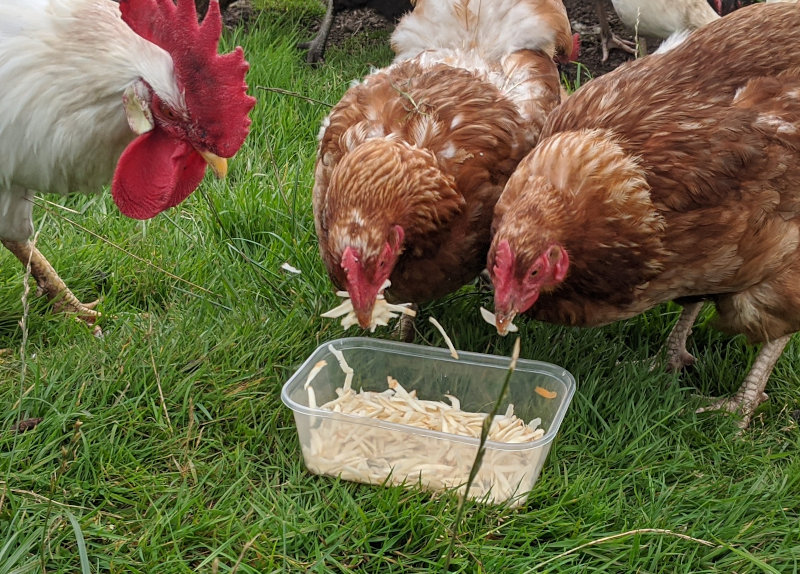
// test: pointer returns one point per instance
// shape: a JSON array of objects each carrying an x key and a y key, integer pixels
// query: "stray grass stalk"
[
  {"x": 160, "y": 390},
  {"x": 476, "y": 463},
  {"x": 67, "y": 455},
  {"x": 623, "y": 535},
  {"x": 125, "y": 251},
  {"x": 297, "y": 95},
  {"x": 23, "y": 323}
]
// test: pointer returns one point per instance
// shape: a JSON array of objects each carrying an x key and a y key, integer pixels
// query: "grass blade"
[{"x": 84, "y": 557}]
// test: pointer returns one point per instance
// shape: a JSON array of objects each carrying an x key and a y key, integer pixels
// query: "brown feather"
[{"x": 427, "y": 146}]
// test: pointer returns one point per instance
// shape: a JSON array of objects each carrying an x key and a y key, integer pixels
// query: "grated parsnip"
[
  {"x": 378, "y": 455},
  {"x": 491, "y": 318},
  {"x": 382, "y": 312}
]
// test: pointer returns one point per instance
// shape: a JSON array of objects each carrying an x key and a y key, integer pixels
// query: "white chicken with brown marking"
[{"x": 652, "y": 18}]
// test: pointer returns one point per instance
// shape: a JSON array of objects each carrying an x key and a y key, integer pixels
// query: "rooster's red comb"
[{"x": 213, "y": 84}]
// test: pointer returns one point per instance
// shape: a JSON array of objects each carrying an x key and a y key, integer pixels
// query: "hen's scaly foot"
[
  {"x": 316, "y": 47},
  {"x": 674, "y": 354},
  {"x": 50, "y": 284},
  {"x": 751, "y": 393},
  {"x": 614, "y": 41},
  {"x": 677, "y": 357},
  {"x": 608, "y": 39}
]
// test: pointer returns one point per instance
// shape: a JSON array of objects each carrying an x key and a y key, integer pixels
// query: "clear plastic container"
[{"x": 365, "y": 449}]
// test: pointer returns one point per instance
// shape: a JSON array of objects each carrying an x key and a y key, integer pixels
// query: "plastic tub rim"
[{"x": 527, "y": 365}]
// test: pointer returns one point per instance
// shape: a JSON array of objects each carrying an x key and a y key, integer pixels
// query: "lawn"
[{"x": 164, "y": 446}]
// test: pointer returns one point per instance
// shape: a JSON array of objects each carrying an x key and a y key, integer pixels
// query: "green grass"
[{"x": 186, "y": 460}]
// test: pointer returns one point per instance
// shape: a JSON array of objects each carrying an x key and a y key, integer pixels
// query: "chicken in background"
[
  {"x": 412, "y": 160},
  {"x": 93, "y": 89},
  {"x": 723, "y": 7},
  {"x": 689, "y": 195},
  {"x": 389, "y": 9},
  {"x": 658, "y": 19}
]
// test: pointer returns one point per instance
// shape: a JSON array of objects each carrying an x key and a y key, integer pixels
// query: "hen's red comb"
[
  {"x": 213, "y": 84},
  {"x": 504, "y": 264}
]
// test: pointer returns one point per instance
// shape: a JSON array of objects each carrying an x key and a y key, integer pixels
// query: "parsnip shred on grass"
[
  {"x": 382, "y": 312},
  {"x": 448, "y": 342}
]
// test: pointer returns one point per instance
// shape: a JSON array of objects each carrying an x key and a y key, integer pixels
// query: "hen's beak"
[
  {"x": 219, "y": 165},
  {"x": 364, "y": 318},
  {"x": 503, "y": 322}
]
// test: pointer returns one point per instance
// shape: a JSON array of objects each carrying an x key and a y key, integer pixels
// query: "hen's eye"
[{"x": 534, "y": 273}]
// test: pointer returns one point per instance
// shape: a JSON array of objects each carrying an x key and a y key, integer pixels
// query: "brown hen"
[
  {"x": 673, "y": 178},
  {"x": 412, "y": 160}
]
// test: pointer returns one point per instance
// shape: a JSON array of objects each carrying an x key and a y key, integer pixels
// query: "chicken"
[
  {"x": 689, "y": 195},
  {"x": 389, "y": 9},
  {"x": 412, "y": 160},
  {"x": 660, "y": 19},
  {"x": 93, "y": 89},
  {"x": 652, "y": 18}
]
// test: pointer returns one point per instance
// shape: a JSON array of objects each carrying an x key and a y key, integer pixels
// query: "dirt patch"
[
  {"x": 238, "y": 13},
  {"x": 349, "y": 23}
]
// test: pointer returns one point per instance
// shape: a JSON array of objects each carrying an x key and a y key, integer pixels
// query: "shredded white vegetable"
[
  {"x": 290, "y": 268},
  {"x": 382, "y": 312},
  {"x": 448, "y": 342},
  {"x": 314, "y": 372},
  {"x": 347, "y": 369},
  {"x": 491, "y": 318},
  {"x": 377, "y": 455}
]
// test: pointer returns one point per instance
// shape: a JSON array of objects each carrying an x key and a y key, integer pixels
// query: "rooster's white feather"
[{"x": 64, "y": 65}]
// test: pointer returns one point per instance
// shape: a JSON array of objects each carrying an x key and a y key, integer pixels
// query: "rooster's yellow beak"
[{"x": 219, "y": 165}]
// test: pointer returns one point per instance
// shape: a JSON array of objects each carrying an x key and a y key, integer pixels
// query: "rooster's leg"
[
  {"x": 50, "y": 283},
  {"x": 676, "y": 354},
  {"x": 751, "y": 393},
  {"x": 316, "y": 47},
  {"x": 608, "y": 39}
]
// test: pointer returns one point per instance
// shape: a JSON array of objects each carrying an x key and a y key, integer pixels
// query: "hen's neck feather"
[{"x": 64, "y": 65}]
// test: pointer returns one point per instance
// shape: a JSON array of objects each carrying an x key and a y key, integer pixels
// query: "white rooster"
[{"x": 92, "y": 89}]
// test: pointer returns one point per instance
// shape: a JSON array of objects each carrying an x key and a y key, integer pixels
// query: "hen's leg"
[
  {"x": 608, "y": 39},
  {"x": 49, "y": 282},
  {"x": 316, "y": 47},
  {"x": 751, "y": 393},
  {"x": 676, "y": 354}
]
